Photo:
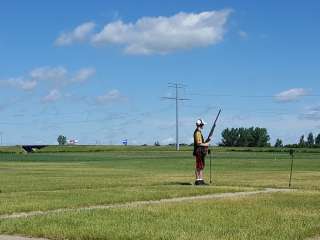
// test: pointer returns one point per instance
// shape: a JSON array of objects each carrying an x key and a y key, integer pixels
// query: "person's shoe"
[
  {"x": 197, "y": 182},
  {"x": 202, "y": 182}
]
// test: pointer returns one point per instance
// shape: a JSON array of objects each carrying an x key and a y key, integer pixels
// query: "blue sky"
[{"x": 96, "y": 70}]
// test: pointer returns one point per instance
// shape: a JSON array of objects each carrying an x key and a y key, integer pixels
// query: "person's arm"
[{"x": 204, "y": 144}]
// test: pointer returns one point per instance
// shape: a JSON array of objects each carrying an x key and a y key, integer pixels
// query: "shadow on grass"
[{"x": 178, "y": 183}]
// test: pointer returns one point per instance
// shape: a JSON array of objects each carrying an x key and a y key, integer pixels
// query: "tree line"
[
  {"x": 245, "y": 137},
  {"x": 312, "y": 141},
  {"x": 259, "y": 137}
]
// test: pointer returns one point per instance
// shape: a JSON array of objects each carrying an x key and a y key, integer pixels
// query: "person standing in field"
[{"x": 199, "y": 151}]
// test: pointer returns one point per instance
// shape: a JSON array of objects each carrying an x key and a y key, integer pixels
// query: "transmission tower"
[{"x": 177, "y": 86}]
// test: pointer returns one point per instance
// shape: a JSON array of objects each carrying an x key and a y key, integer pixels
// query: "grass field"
[{"x": 64, "y": 178}]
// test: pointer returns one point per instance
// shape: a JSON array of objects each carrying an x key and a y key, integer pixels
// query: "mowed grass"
[
  {"x": 69, "y": 180},
  {"x": 63, "y": 180},
  {"x": 44, "y": 181},
  {"x": 274, "y": 216}
]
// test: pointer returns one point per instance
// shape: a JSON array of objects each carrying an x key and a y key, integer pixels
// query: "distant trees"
[
  {"x": 301, "y": 143},
  {"x": 230, "y": 137},
  {"x": 278, "y": 143},
  {"x": 62, "y": 140},
  {"x": 317, "y": 140},
  {"x": 259, "y": 137},
  {"x": 245, "y": 137},
  {"x": 183, "y": 144},
  {"x": 311, "y": 141}
]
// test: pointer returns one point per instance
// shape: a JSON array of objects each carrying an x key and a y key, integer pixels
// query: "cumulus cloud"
[
  {"x": 52, "y": 96},
  {"x": 155, "y": 35},
  {"x": 49, "y": 73},
  {"x": 61, "y": 74},
  {"x": 83, "y": 74},
  {"x": 291, "y": 95},
  {"x": 58, "y": 76},
  {"x": 313, "y": 113},
  {"x": 79, "y": 34},
  {"x": 111, "y": 97},
  {"x": 26, "y": 85},
  {"x": 163, "y": 35}
]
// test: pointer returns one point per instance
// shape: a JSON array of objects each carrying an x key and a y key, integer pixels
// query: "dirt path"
[
  {"x": 142, "y": 203},
  {"x": 134, "y": 204},
  {"x": 6, "y": 237}
]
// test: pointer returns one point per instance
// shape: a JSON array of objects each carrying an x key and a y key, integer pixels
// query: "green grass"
[
  {"x": 65, "y": 180},
  {"x": 112, "y": 148},
  {"x": 10, "y": 149},
  {"x": 58, "y": 179},
  {"x": 275, "y": 216},
  {"x": 106, "y": 148}
]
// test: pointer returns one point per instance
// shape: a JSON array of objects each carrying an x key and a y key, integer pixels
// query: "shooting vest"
[{"x": 195, "y": 144}]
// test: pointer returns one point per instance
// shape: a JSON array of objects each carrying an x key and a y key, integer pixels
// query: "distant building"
[
  {"x": 72, "y": 141},
  {"x": 125, "y": 142}
]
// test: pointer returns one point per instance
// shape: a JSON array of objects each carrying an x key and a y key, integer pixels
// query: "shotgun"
[{"x": 213, "y": 127}]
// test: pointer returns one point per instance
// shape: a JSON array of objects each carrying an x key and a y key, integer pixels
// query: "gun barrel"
[
  {"x": 213, "y": 127},
  {"x": 215, "y": 121}
]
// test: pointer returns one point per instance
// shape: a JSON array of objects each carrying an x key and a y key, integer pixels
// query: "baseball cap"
[{"x": 200, "y": 122}]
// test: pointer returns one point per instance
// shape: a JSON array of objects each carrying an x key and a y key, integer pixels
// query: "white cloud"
[
  {"x": 312, "y": 113},
  {"x": 163, "y": 35},
  {"x": 110, "y": 97},
  {"x": 52, "y": 96},
  {"x": 49, "y": 73},
  {"x": 291, "y": 95},
  {"x": 58, "y": 76},
  {"x": 28, "y": 85},
  {"x": 83, "y": 74},
  {"x": 243, "y": 34},
  {"x": 61, "y": 74},
  {"x": 20, "y": 83},
  {"x": 79, "y": 34}
]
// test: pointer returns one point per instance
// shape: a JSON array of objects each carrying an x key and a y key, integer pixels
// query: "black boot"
[
  {"x": 201, "y": 182},
  {"x": 204, "y": 183}
]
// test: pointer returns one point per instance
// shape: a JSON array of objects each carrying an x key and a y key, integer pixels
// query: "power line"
[
  {"x": 177, "y": 86},
  {"x": 244, "y": 96},
  {"x": 110, "y": 117}
]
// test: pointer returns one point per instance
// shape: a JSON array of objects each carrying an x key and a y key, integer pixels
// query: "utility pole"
[
  {"x": 177, "y": 86},
  {"x": 1, "y": 137}
]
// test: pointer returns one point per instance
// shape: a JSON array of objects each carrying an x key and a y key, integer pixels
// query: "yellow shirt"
[{"x": 198, "y": 137}]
